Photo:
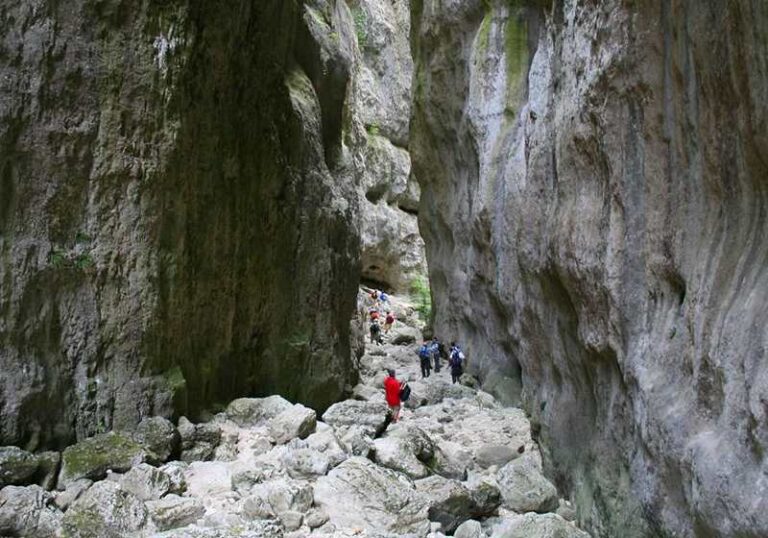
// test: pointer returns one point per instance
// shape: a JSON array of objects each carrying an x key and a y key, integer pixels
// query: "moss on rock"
[{"x": 93, "y": 457}]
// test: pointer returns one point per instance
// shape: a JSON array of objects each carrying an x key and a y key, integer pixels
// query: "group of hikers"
[
  {"x": 379, "y": 300},
  {"x": 433, "y": 352}
]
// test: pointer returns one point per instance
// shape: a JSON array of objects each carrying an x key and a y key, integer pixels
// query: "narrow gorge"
[{"x": 193, "y": 196}]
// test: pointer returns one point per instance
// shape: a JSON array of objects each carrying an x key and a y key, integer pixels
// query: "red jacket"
[{"x": 392, "y": 390}]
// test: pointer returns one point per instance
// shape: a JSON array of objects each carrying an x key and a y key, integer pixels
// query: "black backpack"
[{"x": 405, "y": 393}]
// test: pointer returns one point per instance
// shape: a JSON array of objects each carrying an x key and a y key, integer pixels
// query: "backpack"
[
  {"x": 424, "y": 352},
  {"x": 375, "y": 327},
  {"x": 405, "y": 393}
]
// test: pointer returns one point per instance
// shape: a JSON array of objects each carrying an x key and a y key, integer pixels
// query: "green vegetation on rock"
[{"x": 422, "y": 296}]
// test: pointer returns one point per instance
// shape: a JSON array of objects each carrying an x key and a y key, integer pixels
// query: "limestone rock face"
[
  {"x": 392, "y": 249},
  {"x": 593, "y": 204},
  {"x": 175, "y": 205}
]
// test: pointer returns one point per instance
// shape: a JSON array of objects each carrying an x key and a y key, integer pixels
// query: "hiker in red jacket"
[
  {"x": 392, "y": 392},
  {"x": 388, "y": 321}
]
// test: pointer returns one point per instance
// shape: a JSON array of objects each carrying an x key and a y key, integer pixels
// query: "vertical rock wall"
[
  {"x": 178, "y": 220},
  {"x": 392, "y": 249},
  {"x": 594, "y": 206}
]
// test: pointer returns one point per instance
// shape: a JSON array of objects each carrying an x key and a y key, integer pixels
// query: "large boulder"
[
  {"x": 524, "y": 488},
  {"x": 208, "y": 478},
  {"x": 28, "y": 511},
  {"x": 372, "y": 415},
  {"x": 248, "y": 412},
  {"x": 17, "y": 466},
  {"x": 295, "y": 422},
  {"x": 146, "y": 482},
  {"x": 405, "y": 448},
  {"x": 270, "y": 499},
  {"x": 93, "y": 457},
  {"x": 324, "y": 440},
  {"x": 198, "y": 441},
  {"x": 305, "y": 462},
  {"x": 469, "y": 529},
  {"x": 173, "y": 511},
  {"x": 105, "y": 511},
  {"x": 450, "y": 503},
  {"x": 360, "y": 495},
  {"x": 159, "y": 436},
  {"x": 537, "y": 526}
]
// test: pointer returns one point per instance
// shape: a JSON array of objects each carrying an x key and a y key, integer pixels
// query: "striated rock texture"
[
  {"x": 392, "y": 250},
  {"x": 593, "y": 202},
  {"x": 177, "y": 216}
]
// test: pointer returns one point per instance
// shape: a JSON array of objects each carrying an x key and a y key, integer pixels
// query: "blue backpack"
[{"x": 424, "y": 352}]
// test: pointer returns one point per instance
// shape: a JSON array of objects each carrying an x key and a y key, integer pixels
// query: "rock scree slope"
[
  {"x": 267, "y": 468},
  {"x": 593, "y": 180}
]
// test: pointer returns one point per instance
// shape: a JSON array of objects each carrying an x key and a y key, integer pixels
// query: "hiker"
[
  {"x": 434, "y": 350},
  {"x": 457, "y": 360},
  {"x": 376, "y": 332},
  {"x": 424, "y": 359},
  {"x": 375, "y": 298},
  {"x": 384, "y": 298},
  {"x": 388, "y": 321},
  {"x": 374, "y": 314},
  {"x": 392, "y": 389}
]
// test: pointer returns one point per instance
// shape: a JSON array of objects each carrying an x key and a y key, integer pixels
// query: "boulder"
[
  {"x": 295, "y": 422},
  {"x": 64, "y": 499},
  {"x": 356, "y": 440},
  {"x": 397, "y": 454},
  {"x": 105, "y": 511},
  {"x": 239, "y": 529},
  {"x": 17, "y": 466},
  {"x": 270, "y": 499},
  {"x": 146, "y": 482},
  {"x": 28, "y": 511},
  {"x": 291, "y": 519},
  {"x": 248, "y": 412},
  {"x": 208, "y": 478},
  {"x": 315, "y": 518},
  {"x": 356, "y": 413},
  {"x": 360, "y": 495},
  {"x": 173, "y": 511},
  {"x": 485, "y": 493},
  {"x": 524, "y": 488},
  {"x": 450, "y": 503},
  {"x": 176, "y": 473},
  {"x": 324, "y": 440},
  {"x": 305, "y": 463},
  {"x": 469, "y": 529},
  {"x": 93, "y": 457},
  {"x": 405, "y": 448},
  {"x": 451, "y": 460},
  {"x": 198, "y": 443},
  {"x": 497, "y": 454},
  {"x": 159, "y": 436},
  {"x": 537, "y": 526},
  {"x": 48, "y": 469}
]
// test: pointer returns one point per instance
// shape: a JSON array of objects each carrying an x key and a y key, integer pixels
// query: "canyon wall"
[
  {"x": 594, "y": 181},
  {"x": 392, "y": 250},
  {"x": 178, "y": 212}
]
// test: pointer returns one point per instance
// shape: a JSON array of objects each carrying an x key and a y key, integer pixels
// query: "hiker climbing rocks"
[
  {"x": 373, "y": 313},
  {"x": 374, "y": 297},
  {"x": 425, "y": 359},
  {"x": 392, "y": 389},
  {"x": 388, "y": 321},
  {"x": 376, "y": 332},
  {"x": 384, "y": 298},
  {"x": 457, "y": 362}
]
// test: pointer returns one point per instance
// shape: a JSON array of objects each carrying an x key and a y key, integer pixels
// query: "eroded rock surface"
[
  {"x": 593, "y": 204},
  {"x": 172, "y": 186}
]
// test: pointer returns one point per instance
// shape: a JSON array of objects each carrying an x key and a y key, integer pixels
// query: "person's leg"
[{"x": 396, "y": 413}]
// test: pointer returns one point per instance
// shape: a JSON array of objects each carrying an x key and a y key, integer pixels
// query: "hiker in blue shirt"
[
  {"x": 425, "y": 359},
  {"x": 434, "y": 350}
]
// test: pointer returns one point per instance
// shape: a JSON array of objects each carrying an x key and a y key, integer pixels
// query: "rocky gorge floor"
[{"x": 457, "y": 464}]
